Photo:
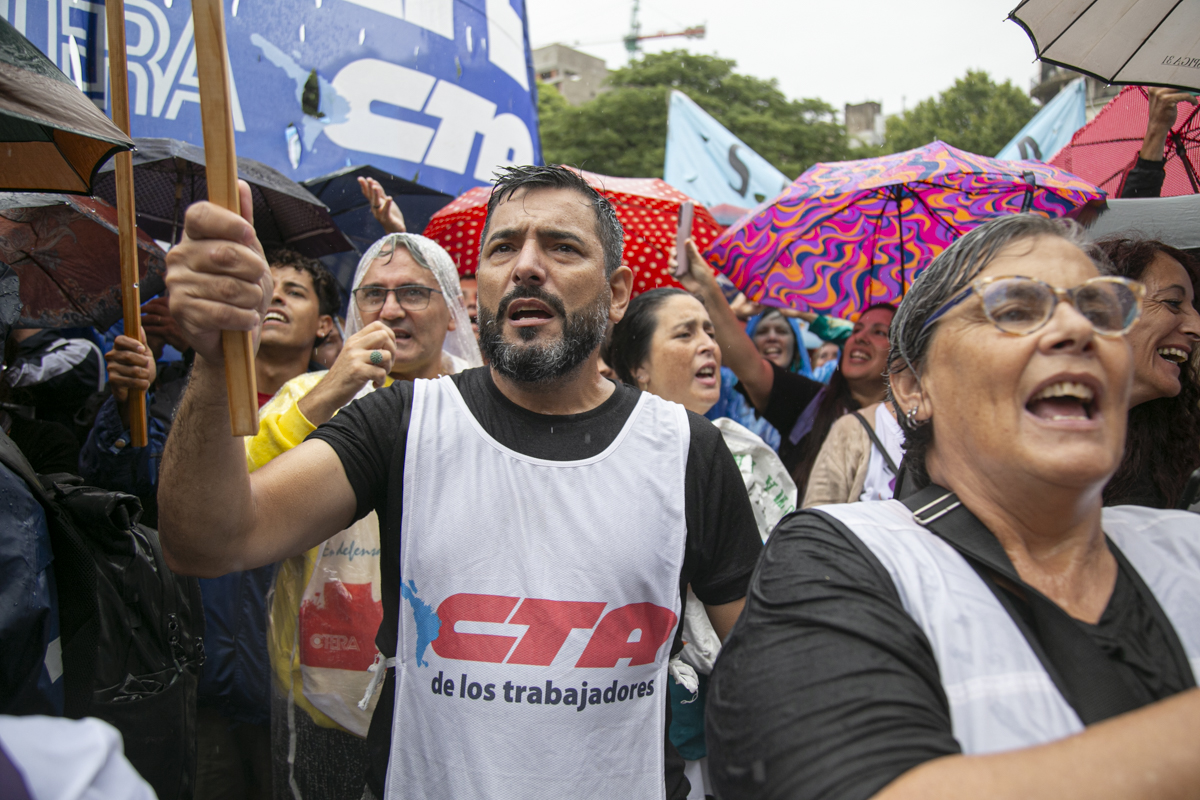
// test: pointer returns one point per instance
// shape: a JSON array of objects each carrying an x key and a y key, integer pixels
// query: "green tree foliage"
[
  {"x": 624, "y": 130},
  {"x": 975, "y": 114}
]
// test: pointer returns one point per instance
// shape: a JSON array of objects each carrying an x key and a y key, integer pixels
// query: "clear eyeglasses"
[
  {"x": 1020, "y": 305},
  {"x": 411, "y": 297}
]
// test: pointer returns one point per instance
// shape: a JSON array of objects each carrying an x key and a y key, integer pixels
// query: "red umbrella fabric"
[
  {"x": 65, "y": 250},
  {"x": 1103, "y": 151},
  {"x": 648, "y": 209}
]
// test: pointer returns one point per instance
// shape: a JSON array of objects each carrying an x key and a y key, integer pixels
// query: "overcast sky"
[{"x": 844, "y": 51}]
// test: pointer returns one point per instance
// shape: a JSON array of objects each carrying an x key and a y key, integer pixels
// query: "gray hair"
[{"x": 949, "y": 274}]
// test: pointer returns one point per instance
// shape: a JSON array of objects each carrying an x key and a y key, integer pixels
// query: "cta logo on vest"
[{"x": 549, "y": 623}]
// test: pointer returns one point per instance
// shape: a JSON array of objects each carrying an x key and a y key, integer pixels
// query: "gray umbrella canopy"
[
  {"x": 55, "y": 138},
  {"x": 169, "y": 175},
  {"x": 1169, "y": 219},
  {"x": 1141, "y": 42}
]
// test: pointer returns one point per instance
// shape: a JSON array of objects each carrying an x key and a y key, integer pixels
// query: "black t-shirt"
[
  {"x": 370, "y": 437},
  {"x": 790, "y": 395},
  {"x": 828, "y": 688}
]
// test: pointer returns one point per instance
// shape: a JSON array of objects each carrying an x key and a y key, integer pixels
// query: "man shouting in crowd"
[{"x": 545, "y": 520}]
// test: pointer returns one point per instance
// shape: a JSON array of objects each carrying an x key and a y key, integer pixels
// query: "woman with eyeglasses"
[
  {"x": 998, "y": 633},
  {"x": 1162, "y": 448}
]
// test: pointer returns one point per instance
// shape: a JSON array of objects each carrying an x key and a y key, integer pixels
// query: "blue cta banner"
[
  {"x": 1051, "y": 128},
  {"x": 437, "y": 91},
  {"x": 707, "y": 162}
]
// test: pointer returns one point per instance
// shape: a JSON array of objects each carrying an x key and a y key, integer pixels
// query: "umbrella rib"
[
  {"x": 82, "y": 178},
  {"x": 781, "y": 245},
  {"x": 936, "y": 215},
  {"x": 875, "y": 235},
  {"x": 61, "y": 288},
  {"x": 1138, "y": 49},
  {"x": 1063, "y": 32}
]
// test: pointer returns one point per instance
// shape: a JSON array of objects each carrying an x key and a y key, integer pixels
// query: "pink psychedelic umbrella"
[{"x": 849, "y": 234}]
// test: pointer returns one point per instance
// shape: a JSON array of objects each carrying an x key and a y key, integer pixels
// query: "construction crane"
[{"x": 634, "y": 39}]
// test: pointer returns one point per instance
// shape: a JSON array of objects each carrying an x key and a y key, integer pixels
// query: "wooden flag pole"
[
  {"x": 131, "y": 301},
  {"x": 220, "y": 157}
]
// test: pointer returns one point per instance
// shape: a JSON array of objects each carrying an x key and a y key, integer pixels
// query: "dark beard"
[{"x": 541, "y": 363}]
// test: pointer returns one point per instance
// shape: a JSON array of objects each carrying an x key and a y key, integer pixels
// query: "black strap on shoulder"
[
  {"x": 878, "y": 444},
  {"x": 1089, "y": 681}
]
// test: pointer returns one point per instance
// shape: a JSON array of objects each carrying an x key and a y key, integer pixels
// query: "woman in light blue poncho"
[{"x": 770, "y": 333}]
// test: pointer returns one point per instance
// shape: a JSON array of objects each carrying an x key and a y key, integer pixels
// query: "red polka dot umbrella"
[{"x": 647, "y": 207}]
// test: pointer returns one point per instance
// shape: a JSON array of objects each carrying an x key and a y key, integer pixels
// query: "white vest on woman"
[
  {"x": 540, "y": 600},
  {"x": 1001, "y": 697}
]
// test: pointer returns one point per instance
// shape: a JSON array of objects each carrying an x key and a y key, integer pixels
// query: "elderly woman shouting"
[{"x": 998, "y": 633}]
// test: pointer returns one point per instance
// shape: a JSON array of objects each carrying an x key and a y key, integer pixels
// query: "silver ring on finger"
[{"x": 376, "y": 357}]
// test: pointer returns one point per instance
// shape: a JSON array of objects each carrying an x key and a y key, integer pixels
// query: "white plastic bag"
[
  {"x": 340, "y": 613},
  {"x": 772, "y": 490},
  {"x": 772, "y": 496}
]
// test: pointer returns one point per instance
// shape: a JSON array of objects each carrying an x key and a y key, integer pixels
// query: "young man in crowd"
[
  {"x": 234, "y": 728},
  {"x": 494, "y": 490},
  {"x": 233, "y": 731}
]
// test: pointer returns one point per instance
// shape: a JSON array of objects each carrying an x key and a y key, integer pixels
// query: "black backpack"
[{"x": 131, "y": 630}]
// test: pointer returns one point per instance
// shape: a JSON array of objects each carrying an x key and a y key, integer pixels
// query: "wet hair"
[
  {"x": 836, "y": 401},
  {"x": 946, "y": 276},
  {"x": 1162, "y": 444},
  {"x": 329, "y": 297},
  {"x": 608, "y": 227},
  {"x": 629, "y": 345}
]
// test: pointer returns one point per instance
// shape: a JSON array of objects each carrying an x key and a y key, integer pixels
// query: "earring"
[{"x": 911, "y": 417}]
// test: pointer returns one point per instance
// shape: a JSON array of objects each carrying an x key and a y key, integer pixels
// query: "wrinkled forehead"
[
  {"x": 398, "y": 269},
  {"x": 1051, "y": 259},
  {"x": 544, "y": 209},
  {"x": 283, "y": 274}
]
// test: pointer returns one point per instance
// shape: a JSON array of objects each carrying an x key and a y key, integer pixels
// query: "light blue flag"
[
  {"x": 1052, "y": 128},
  {"x": 707, "y": 162}
]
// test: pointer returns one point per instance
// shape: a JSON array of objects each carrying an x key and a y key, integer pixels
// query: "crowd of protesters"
[{"x": 564, "y": 495}]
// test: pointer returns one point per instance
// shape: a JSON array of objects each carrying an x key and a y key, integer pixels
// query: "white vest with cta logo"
[
  {"x": 1001, "y": 697},
  {"x": 539, "y": 603}
]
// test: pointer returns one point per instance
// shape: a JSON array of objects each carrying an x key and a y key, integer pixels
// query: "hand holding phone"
[{"x": 681, "y": 236}]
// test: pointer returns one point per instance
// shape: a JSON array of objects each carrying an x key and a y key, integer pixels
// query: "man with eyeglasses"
[{"x": 398, "y": 323}]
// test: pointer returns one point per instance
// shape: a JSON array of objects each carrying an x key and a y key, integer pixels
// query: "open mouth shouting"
[
  {"x": 274, "y": 315},
  {"x": 708, "y": 375},
  {"x": 528, "y": 312},
  {"x": 1066, "y": 399}
]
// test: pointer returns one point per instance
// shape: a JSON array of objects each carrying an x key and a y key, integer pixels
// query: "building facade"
[{"x": 577, "y": 76}]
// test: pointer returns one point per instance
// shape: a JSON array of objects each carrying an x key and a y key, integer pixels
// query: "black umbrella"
[
  {"x": 352, "y": 212},
  {"x": 65, "y": 250},
  {"x": 54, "y": 137},
  {"x": 169, "y": 175}
]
